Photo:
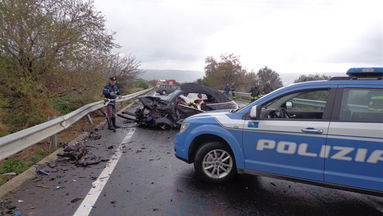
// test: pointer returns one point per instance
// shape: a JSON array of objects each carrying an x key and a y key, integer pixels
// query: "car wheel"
[
  {"x": 163, "y": 92},
  {"x": 214, "y": 162}
]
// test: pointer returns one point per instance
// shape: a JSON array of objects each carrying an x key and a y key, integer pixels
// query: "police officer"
[
  {"x": 111, "y": 92},
  {"x": 254, "y": 93},
  {"x": 226, "y": 90}
]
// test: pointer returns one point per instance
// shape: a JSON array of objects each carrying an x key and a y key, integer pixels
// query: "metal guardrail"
[
  {"x": 240, "y": 94},
  {"x": 308, "y": 102},
  {"x": 13, "y": 143},
  {"x": 300, "y": 101}
]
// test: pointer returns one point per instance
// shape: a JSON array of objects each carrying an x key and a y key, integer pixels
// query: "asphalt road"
[{"x": 149, "y": 180}]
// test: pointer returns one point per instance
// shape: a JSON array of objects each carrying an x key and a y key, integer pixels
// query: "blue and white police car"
[{"x": 321, "y": 132}]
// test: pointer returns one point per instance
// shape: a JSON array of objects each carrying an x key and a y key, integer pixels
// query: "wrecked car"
[{"x": 167, "y": 112}]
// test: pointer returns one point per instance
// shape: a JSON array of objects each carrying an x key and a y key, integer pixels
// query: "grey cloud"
[
  {"x": 153, "y": 32},
  {"x": 367, "y": 49}
]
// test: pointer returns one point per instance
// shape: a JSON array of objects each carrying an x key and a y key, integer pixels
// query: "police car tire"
[
  {"x": 163, "y": 92},
  {"x": 202, "y": 151}
]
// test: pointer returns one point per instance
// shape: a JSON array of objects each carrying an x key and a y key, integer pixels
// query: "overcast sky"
[{"x": 286, "y": 35}]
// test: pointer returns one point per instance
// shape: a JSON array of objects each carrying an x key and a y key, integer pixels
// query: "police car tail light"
[{"x": 371, "y": 72}]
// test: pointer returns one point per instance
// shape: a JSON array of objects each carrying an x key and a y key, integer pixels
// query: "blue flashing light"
[{"x": 366, "y": 72}]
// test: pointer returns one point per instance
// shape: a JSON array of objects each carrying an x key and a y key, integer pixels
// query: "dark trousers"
[{"x": 110, "y": 111}]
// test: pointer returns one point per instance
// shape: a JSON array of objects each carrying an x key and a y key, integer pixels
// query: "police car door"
[
  {"x": 355, "y": 140},
  {"x": 289, "y": 137}
]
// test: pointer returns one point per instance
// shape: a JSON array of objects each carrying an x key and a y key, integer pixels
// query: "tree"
[
  {"x": 268, "y": 80},
  {"x": 226, "y": 71},
  {"x": 311, "y": 77},
  {"x": 39, "y": 35},
  {"x": 124, "y": 68},
  {"x": 50, "y": 49}
]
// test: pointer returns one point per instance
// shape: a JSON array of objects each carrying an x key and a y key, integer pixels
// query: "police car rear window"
[{"x": 362, "y": 105}]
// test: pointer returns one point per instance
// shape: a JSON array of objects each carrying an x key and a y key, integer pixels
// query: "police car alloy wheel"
[
  {"x": 163, "y": 92},
  {"x": 214, "y": 162}
]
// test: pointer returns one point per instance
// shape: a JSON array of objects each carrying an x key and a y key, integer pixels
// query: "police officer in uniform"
[
  {"x": 254, "y": 93},
  {"x": 111, "y": 92}
]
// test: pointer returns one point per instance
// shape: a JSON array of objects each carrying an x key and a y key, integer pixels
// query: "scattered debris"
[
  {"x": 59, "y": 187},
  {"x": 113, "y": 202},
  {"x": 52, "y": 164},
  {"x": 94, "y": 136},
  {"x": 9, "y": 174},
  {"x": 41, "y": 172},
  {"x": 75, "y": 200},
  {"x": 155, "y": 209},
  {"x": 74, "y": 152},
  {"x": 273, "y": 184},
  {"x": 81, "y": 155},
  {"x": 20, "y": 201},
  {"x": 95, "y": 183},
  {"x": 18, "y": 213},
  {"x": 110, "y": 147},
  {"x": 42, "y": 186},
  {"x": 6, "y": 207}
]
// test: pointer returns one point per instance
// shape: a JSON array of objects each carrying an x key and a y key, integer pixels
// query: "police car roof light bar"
[{"x": 371, "y": 72}]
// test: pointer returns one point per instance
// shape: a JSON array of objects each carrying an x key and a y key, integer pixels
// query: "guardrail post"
[
  {"x": 89, "y": 119},
  {"x": 53, "y": 139},
  {"x": 102, "y": 112}
]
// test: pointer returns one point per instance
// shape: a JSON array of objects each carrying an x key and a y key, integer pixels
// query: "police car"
[{"x": 322, "y": 132}]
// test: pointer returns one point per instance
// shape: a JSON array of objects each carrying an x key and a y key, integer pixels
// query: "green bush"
[
  {"x": 2, "y": 181},
  {"x": 65, "y": 104},
  {"x": 13, "y": 165},
  {"x": 38, "y": 156}
]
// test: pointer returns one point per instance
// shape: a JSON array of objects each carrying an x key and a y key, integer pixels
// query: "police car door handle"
[{"x": 312, "y": 131}]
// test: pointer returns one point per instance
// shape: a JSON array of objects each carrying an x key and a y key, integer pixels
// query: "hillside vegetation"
[{"x": 55, "y": 55}]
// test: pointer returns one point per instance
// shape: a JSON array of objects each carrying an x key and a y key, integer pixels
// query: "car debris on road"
[{"x": 168, "y": 112}]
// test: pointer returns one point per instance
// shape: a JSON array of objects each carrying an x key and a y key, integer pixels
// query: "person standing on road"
[
  {"x": 254, "y": 93},
  {"x": 267, "y": 88},
  {"x": 111, "y": 92},
  {"x": 226, "y": 90},
  {"x": 232, "y": 89}
]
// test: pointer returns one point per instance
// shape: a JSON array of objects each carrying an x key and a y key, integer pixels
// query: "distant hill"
[
  {"x": 190, "y": 76},
  {"x": 178, "y": 75}
]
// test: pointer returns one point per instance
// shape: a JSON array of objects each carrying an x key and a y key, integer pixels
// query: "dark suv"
[{"x": 165, "y": 89}]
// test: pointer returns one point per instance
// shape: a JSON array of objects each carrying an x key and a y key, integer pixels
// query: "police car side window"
[
  {"x": 306, "y": 105},
  {"x": 362, "y": 105}
]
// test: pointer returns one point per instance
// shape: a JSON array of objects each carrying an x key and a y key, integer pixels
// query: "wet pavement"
[{"x": 149, "y": 180}]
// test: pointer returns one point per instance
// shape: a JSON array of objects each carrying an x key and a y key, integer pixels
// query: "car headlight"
[{"x": 184, "y": 126}]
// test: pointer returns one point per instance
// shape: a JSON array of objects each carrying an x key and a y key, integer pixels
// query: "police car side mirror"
[{"x": 254, "y": 112}]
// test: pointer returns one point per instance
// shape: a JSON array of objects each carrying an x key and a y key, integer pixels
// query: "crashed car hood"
[
  {"x": 214, "y": 96},
  {"x": 150, "y": 100}
]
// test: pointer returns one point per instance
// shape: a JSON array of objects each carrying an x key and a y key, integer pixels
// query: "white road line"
[{"x": 90, "y": 199}]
